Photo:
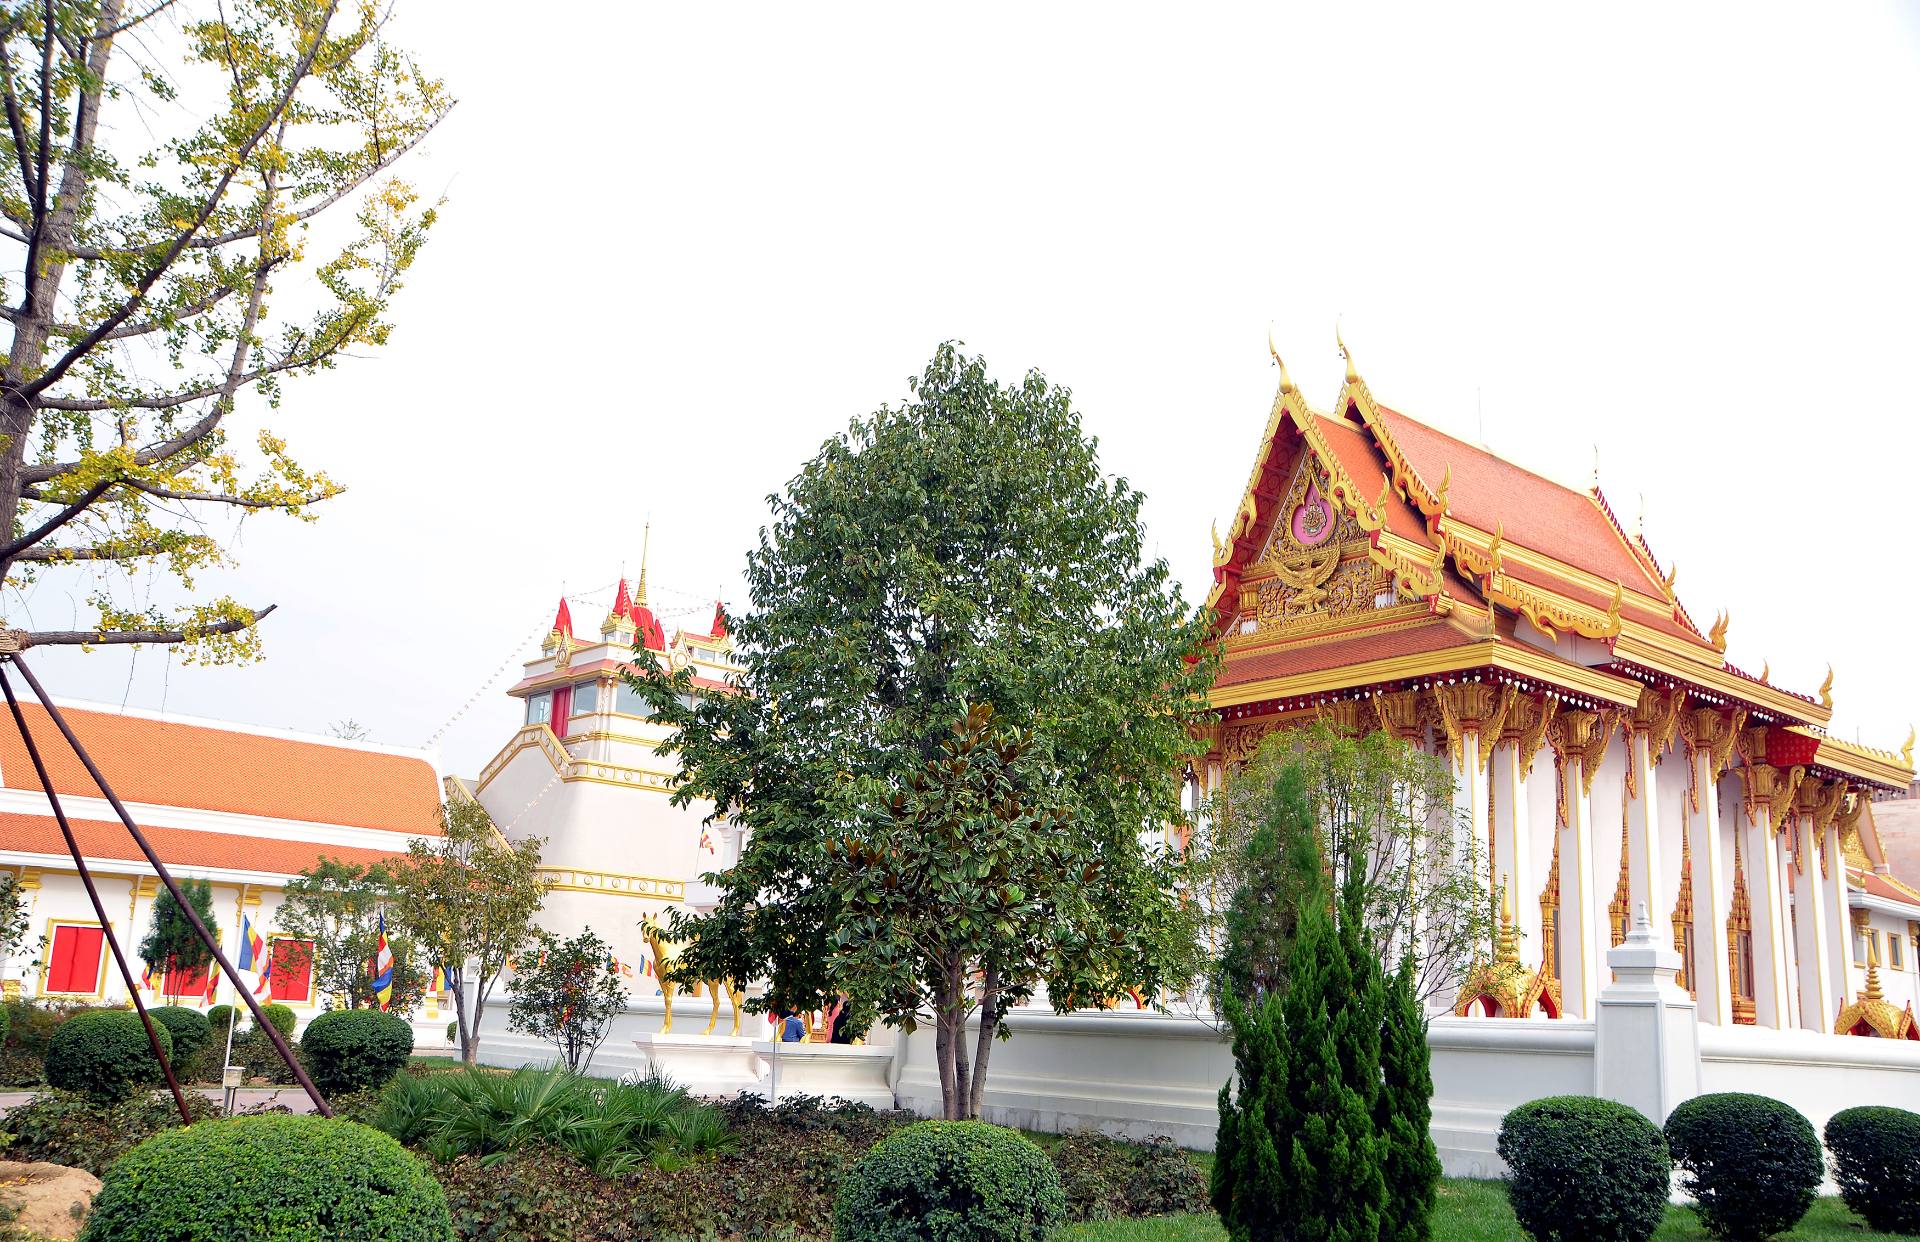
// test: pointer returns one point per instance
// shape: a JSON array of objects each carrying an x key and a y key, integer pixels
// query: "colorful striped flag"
[
  {"x": 706, "y": 841},
  {"x": 252, "y": 948},
  {"x": 213, "y": 983},
  {"x": 265, "y": 986},
  {"x": 439, "y": 983},
  {"x": 149, "y": 978},
  {"x": 383, "y": 966}
]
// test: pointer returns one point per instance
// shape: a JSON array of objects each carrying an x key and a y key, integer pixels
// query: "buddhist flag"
[
  {"x": 265, "y": 986},
  {"x": 213, "y": 982},
  {"x": 439, "y": 983},
  {"x": 383, "y": 966},
  {"x": 149, "y": 978},
  {"x": 706, "y": 841},
  {"x": 252, "y": 948}
]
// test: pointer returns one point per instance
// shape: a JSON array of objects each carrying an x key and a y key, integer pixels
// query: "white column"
[
  {"x": 1712, "y": 888},
  {"x": 1644, "y": 866},
  {"x": 1469, "y": 797},
  {"x": 1838, "y": 925},
  {"x": 1771, "y": 1001},
  {"x": 1579, "y": 916},
  {"x": 1810, "y": 935},
  {"x": 1514, "y": 852}
]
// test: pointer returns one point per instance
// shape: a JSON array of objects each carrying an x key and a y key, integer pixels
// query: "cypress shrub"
[
  {"x": 348, "y": 1049},
  {"x": 1411, "y": 1165},
  {"x": 1751, "y": 1163},
  {"x": 1876, "y": 1163},
  {"x": 1581, "y": 1169},
  {"x": 104, "y": 1055},
  {"x": 280, "y": 1017},
  {"x": 190, "y": 1031},
  {"x": 950, "y": 1181},
  {"x": 271, "y": 1176}
]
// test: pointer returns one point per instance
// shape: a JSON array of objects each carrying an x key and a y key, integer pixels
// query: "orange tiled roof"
[
  {"x": 177, "y": 847},
  {"x": 1888, "y": 888},
  {"x": 1239, "y": 668},
  {"x": 1538, "y": 513},
  {"x": 173, "y": 763}
]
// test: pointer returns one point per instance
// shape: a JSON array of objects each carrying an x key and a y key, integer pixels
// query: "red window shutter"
[
  {"x": 60, "y": 961},
  {"x": 186, "y": 986},
  {"x": 562, "y": 709},
  {"x": 74, "y": 964},
  {"x": 292, "y": 969}
]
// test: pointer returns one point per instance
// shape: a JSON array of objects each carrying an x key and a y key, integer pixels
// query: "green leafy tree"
[
  {"x": 161, "y": 167},
  {"x": 468, "y": 898},
  {"x": 14, "y": 923},
  {"x": 961, "y": 549},
  {"x": 172, "y": 945},
  {"x": 334, "y": 908},
  {"x": 567, "y": 992},
  {"x": 1383, "y": 809}
]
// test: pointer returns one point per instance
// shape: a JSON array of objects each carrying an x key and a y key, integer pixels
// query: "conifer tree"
[
  {"x": 171, "y": 944},
  {"x": 1412, "y": 1166}
]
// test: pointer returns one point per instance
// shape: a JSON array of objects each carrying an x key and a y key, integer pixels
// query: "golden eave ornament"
[{"x": 1826, "y": 690}]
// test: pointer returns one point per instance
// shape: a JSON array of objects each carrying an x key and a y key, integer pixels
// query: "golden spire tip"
[{"x": 1353, "y": 375}]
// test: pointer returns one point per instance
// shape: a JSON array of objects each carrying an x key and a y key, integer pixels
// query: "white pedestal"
[
  {"x": 856, "y": 1073},
  {"x": 1647, "y": 1033},
  {"x": 706, "y": 1065}
]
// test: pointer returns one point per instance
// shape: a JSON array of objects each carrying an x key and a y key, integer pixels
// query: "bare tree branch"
[
  {"x": 55, "y": 522},
  {"x": 93, "y": 552},
  {"x": 226, "y": 498},
  {"x": 101, "y": 638}
]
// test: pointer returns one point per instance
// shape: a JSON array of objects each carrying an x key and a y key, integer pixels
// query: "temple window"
[
  {"x": 1859, "y": 945},
  {"x": 1896, "y": 957},
  {"x": 628, "y": 702},
  {"x": 539, "y": 708},
  {"x": 586, "y": 698}
]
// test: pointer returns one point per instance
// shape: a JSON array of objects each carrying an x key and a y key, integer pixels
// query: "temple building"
[
  {"x": 1381, "y": 574},
  {"x": 581, "y": 774},
  {"x": 242, "y": 807}
]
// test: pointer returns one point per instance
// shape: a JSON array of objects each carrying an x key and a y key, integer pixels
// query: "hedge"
[
  {"x": 348, "y": 1049},
  {"x": 189, "y": 1029},
  {"x": 274, "y": 1178},
  {"x": 280, "y": 1017},
  {"x": 1752, "y": 1163},
  {"x": 104, "y": 1054},
  {"x": 1876, "y": 1164},
  {"x": 1581, "y": 1168},
  {"x": 950, "y": 1181}
]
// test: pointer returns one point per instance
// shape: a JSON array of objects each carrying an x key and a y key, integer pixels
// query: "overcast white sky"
[{"x": 684, "y": 243}]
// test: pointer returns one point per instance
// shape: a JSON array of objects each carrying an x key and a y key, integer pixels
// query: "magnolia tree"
[
  {"x": 961, "y": 675},
  {"x": 200, "y": 205},
  {"x": 467, "y": 897},
  {"x": 1382, "y": 807}
]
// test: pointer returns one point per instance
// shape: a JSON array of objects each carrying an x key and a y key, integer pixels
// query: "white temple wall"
[{"x": 1670, "y": 782}]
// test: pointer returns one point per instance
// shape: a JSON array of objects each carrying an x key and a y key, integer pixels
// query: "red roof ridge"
[{"x": 1481, "y": 449}]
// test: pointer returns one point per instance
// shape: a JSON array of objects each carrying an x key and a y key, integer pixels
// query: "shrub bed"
[
  {"x": 1751, "y": 1163},
  {"x": 348, "y": 1049},
  {"x": 950, "y": 1180},
  {"x": 189, "y": 1029},
  {"x": 104, "y": 1054},
  {"x": 277, "y": 1176},
  {"x": 1105, "y": 1178},
  {"x": 1876, "y": 1163},
  {"x": 61, "y": 1127},
  {"x": 281, "y": 1017},
  {"x": 1582, "y": 1168}
]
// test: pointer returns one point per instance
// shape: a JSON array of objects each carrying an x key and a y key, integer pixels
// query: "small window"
[
  {"x": 539, "y": 708},
  {"x": 1896, "y": 955},
  {"x": 1859, "y": 946},
  {"x": 74, "y": 959},
  {"x": 586, "y": 698},
  {"x": 628, "y": 702},
  {"x": 292, "y": 970}
]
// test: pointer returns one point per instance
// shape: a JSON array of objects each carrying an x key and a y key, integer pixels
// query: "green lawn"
[{"x": 1473, "y": 1211}]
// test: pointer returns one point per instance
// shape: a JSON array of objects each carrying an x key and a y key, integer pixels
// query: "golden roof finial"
[
  {"x": 1718, "y": 635},
  {"x": 1906, "y": 750},
  {"x": 1873, "y": 974},
  {"x": 1765, "y": 668},
  {"x": 640, "y": 587},
  {"x": 1826, "y": 690},
  {"x": 1353, "y": 375},
  {"x": 1446, "y": 481},
  {"x": 1286, "y": 381},
  {"x": 1613, "y": 609},
  {"x": 1673, "y": 575}
]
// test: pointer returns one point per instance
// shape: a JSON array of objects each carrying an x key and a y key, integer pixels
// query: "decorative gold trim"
[
  {"x": 578, "y": 880},
  {"x": 1515, "y": 658}
]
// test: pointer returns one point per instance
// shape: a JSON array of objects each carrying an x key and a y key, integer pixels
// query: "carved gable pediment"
[{"x": 1315, "y": 567}]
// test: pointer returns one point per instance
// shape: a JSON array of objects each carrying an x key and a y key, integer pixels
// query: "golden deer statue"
[{"x": 666, "y": 953}]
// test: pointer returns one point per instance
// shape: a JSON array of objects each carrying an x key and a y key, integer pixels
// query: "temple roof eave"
[{"x": 1494, "y": 655}]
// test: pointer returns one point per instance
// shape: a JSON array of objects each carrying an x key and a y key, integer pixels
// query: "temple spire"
[
  {"x": 1286, "y": 381},
  {"x": 1353, "y": 373},
  {"x": 640, "y": 587}
]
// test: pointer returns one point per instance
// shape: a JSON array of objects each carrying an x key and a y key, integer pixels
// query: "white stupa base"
[
  {"x": 715, "y": 1066},
  {"x": 855, "y": 1073}
]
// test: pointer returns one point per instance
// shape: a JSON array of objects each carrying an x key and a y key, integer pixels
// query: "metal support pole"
[
  {"x": 140, "y": 839},
  {"x": 93, "y": 895}
]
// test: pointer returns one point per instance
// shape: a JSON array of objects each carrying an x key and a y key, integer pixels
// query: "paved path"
[{"x": 293, "y": 1097}]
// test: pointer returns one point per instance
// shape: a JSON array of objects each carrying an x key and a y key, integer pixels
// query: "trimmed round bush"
[
  {"x": 190, "y": 1031},
  {"x": 104, "y": 1055},
  {"x": 1876, "y": 1164},
  {"x": 950, "y": 1181},
  {"x": 1751, "y": 1163},
  {"x": 281, "y": 1017},
  {"x": 1580, "y": 1168},
  {"x": 348, "y": 1049},
  {"x": 272, "y": 1176},
  {"x": 219, "y": 1016}
]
